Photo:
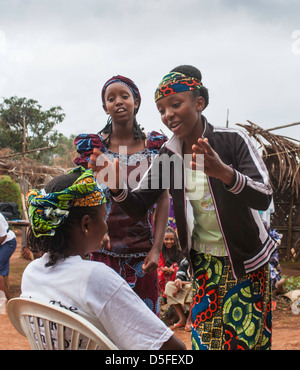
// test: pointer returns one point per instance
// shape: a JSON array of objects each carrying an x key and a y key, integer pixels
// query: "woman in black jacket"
[{"x": 219, "y": 174}]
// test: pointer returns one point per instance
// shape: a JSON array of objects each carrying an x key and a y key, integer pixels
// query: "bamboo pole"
[
  {"x": 227, "y": 119},
  {"x": 290, "y": 230},
  {"x": 28, "y": 151},
  {"x": 284, "y": 126}
]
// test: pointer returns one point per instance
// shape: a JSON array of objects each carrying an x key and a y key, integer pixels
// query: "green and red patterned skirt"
[{"x": 229, "y": 314}]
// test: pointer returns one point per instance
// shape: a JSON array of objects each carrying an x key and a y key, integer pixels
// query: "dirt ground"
[{"x": 286, "y": 325}]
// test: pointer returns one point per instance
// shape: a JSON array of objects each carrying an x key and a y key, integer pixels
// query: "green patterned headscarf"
[{"x": 48, "y": 211}]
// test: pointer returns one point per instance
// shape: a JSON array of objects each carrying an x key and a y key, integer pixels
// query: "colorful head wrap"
[
  {"x": 175, "y": 82},
  {"x": 48, "y": 211},
  {"x": 126, "y": 81}
]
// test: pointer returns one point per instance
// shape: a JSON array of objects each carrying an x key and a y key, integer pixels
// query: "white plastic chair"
[{"x": 47, "y": 326}]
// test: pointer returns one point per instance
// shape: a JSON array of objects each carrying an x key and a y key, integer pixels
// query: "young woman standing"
[
  {"x": 134, "y": 244},
  {"x": 228, "y": 246}
]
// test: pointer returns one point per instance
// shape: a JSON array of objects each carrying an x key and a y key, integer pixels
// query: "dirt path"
[
  {"x": 286, "y": 325},
  {"x": 286, "y": 334}
]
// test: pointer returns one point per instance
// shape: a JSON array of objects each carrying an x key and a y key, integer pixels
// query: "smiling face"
[
  {"x": 169, "y": 240},
  {"x": 119, "y": 103},
  {"x": 181, "y": 113}
]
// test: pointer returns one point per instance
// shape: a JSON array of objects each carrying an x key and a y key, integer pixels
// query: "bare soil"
[{"x": 286, "y": 325}]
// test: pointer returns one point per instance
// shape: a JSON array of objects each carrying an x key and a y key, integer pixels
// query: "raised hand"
[
  {"x": 213, "y": 165},
  {"x": 106, "y": 171}
]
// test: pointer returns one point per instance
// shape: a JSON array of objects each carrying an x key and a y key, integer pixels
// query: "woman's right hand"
[
  {"x": 178, "y": 284},
  {"x": 106, "y": 171}
]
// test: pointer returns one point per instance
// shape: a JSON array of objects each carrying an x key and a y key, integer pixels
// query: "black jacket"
[{"x": 248, "y": 244}]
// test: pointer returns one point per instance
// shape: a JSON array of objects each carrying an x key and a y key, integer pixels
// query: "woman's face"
[
  {"x": 181, "y": 112},
  {"x": 119, "y": 103},
  {"x": 97, "y": 229},
  {"x": 169, "y": 240}
]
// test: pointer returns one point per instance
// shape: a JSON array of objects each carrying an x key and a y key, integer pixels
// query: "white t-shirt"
[
  {"x": 100, "y": 295},
  {"x": 3, "y": 230}
]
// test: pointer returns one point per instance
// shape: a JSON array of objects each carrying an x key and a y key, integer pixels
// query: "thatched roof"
[
  {"x": 34, "y": 174},
  {"x": 281, "y": 155}
]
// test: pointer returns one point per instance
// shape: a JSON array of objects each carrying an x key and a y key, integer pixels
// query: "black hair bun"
[
  {"x": 189, "y": 71},
  {"x": 61, "y": 182}
]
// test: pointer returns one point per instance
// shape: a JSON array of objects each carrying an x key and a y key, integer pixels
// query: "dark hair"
[
  {"x": 57, "y": 245},
  {"x": 176, "y": 253},
  {"x": 191, "y": 71},
  {"x": 138, "y": 132}
]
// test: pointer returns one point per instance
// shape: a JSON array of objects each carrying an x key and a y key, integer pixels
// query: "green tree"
[
  {"x": 39, "y": 126},
  {"x": 64, "y": 154}
]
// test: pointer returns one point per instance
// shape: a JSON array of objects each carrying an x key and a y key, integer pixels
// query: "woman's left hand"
[{"x": 213, "y": 165}]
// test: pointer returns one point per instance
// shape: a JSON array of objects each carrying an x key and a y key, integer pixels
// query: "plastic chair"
[{"x": 47, "y": 326}]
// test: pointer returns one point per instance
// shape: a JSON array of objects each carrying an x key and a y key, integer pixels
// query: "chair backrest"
[{"x": 47, "y": 326}]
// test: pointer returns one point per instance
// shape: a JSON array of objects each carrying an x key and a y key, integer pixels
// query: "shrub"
[
  {"x": 292, "y": 283},
  {"x": 10, "y": 191}
]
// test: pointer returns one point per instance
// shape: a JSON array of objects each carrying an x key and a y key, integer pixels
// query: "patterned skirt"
[
  {"x": 229, "y": 314},
  {"x": 130, "y": 269}
]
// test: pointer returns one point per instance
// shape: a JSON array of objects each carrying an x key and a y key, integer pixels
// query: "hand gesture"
[
  {"x": 106, "y": 171},
  {"x": 213, "y": 165},
  {"x": 178, "y": 286},
  {"x": 151, "y": 262}
]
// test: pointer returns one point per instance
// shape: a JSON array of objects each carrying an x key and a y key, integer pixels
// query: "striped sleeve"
[{"x": 238, "y": 184}]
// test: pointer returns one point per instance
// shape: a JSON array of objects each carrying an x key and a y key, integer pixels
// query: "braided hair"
[
  {"x": 138, "y": 132},
  {"x": 191, "y": 71}
]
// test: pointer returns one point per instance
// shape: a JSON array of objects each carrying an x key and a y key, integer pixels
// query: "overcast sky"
[{"x": 62, "y": 52}]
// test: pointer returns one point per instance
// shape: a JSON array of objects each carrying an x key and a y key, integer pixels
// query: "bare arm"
[
  {"x": 2, "y": 238},
  {"x": 160, "y": 224},
  {"x": 173, "y": 344}
]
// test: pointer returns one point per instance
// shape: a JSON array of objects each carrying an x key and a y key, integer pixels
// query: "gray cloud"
[{"x": 61, "y": 53}]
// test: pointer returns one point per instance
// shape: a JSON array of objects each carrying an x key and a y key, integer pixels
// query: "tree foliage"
[
  {"x": 40, "y": 125},
  {"x": 64, "y": 154}
]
